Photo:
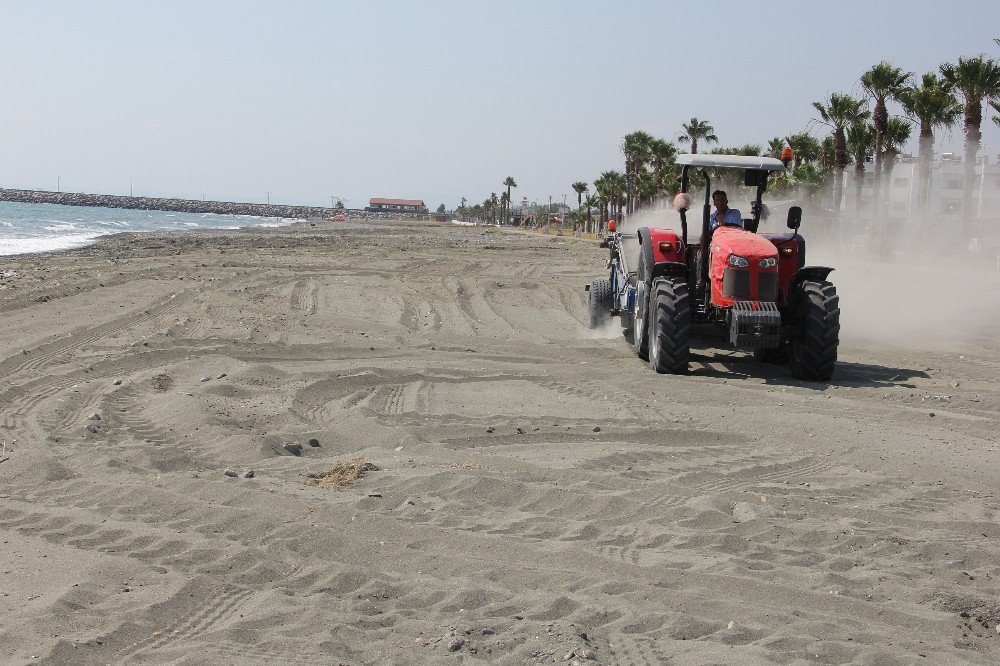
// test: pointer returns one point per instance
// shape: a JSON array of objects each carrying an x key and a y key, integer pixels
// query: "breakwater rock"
[{"x": 154, "y": 203}]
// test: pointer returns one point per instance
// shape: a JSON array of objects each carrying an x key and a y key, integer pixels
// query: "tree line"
[{"x": 860, "y": 129}]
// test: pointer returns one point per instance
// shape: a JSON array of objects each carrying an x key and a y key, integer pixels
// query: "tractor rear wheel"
[
  {"x": 640, "y": 332},
  {"x": 670, "y": 326},
  {"x": 816, "y": 336},
  {"x": 599, "y": 304}
]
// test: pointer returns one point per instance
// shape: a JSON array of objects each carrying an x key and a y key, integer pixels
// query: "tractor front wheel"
[
  {"x": 817, "y": 330},
  {"x": 670, "y": 326},
  {"x": 599, "y": 304}
]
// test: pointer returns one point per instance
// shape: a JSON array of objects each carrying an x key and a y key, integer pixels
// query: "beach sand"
[{"x": 540, "y": 494}]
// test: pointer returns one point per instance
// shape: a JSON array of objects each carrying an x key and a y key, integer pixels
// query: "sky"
[{"x": 297, "y": 102}]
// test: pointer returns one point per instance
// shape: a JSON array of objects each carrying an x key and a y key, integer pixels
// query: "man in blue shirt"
[{"x": 728, "y": 216}]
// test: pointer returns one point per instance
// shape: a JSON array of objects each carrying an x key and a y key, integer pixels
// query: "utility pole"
[
  {"x": 130, "y": 188},
  {"x": 58, "y": 183},
  {"x": 268, "y": 198}
]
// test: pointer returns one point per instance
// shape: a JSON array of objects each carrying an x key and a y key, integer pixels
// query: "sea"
[{"x": 29, "y": 227}]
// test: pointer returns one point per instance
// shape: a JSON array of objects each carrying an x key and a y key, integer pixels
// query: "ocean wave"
[
  {"x": 112, "y": 223},
  {"x": 277, "y": 222},
  {"x": 5, "y": 223},
  {"x": 10, "y": 246},
  {"x": 60, "y": 226}
]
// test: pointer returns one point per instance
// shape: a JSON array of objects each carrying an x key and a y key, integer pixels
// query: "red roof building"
[{"x": 380, "y": 205}]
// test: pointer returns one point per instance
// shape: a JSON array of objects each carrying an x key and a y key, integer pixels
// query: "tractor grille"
[
  {"x": 755, "y": 325},
  {"x": 767, "y": 286},
  {"x": 736, "y": 283}
]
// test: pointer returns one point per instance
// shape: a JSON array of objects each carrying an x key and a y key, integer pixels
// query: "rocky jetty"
[{"x": 153, "y": 203}]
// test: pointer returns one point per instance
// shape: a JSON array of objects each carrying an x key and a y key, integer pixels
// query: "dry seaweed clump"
[{"x": 342, "y": 473}]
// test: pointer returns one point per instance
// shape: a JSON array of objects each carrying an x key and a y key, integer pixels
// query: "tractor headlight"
[
  {"x": 768, "y": 262},
  {"x": 738, "y": 261}
]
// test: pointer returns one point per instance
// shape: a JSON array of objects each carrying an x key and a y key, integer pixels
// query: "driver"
[{"x": 723, "y": 213}]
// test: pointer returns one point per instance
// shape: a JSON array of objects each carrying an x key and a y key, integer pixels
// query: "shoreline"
[{"x": 86, "y": 237}]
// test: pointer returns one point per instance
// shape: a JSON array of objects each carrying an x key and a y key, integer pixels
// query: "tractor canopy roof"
[{"x": 713, "y": 161}]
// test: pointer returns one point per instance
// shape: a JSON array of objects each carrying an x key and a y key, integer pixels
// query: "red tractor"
[{"x": 752, "y": 290}]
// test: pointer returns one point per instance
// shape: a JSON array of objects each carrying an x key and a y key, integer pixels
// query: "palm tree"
[
  {"x": 509, "y": 182},
  {"x": 775, "y": 146},
  {"x": 603, "y": 198},
  {"x": 618, "y": 188},
  {"x": 636, "y": 149},
  {"x": 579, "y": 187},
  {"x": 492, "y": 204},
  {"x": 932, "y": 105},
  {"x": 898, "y": 131},
  {"x": 975, "y": 79},
  {"x": 805, "y": 148},
  {"x": 611, "y": 186},
  {"x": 860, "y": 142},
  {"x": 661, "y": 159},
  {"x": 695, "y": 130},
  {"x": 881, "y": 82},
  {"x": 996, "y": 107},
  {"x": 646, "y": 186},
  {"x": 590, "y": 201},
  {"x": 839, "y": 111},
  {"x": 827, "y": 152}
]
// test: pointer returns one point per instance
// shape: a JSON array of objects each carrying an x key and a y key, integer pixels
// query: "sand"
[{"x": 537, "y": 492}]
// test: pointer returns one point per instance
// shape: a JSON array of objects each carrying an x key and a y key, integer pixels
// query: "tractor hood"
[
  {"x": 733, "y": 240},
  {"x": 737, "y": 273}
]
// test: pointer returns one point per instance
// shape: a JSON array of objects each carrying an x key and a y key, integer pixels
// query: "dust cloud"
[
  {"x": 609, "y": 329},
  {"x": 911, "y": 301}
]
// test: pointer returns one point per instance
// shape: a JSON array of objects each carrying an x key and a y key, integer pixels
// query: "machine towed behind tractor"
[{"x": 751, "y": 290}]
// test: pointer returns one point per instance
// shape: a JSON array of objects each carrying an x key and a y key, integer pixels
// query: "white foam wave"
[
  {"x": 5, "y": 223},
  {"x": 10, "y": 246},
  {"x": 276, "y": 222},
  {"x": 61, "y": 226}
]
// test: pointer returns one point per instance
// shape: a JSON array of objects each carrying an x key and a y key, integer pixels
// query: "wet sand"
[{"x": 539, "y": 491}]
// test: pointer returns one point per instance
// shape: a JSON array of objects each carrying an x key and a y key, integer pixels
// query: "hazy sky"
[{"x": 431, "y": 100}]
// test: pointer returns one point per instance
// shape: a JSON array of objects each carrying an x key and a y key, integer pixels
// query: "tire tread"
[{"x": 814, "y": 348}]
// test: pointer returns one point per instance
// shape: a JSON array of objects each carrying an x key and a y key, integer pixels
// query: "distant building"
[{"x": 378, "y": 205}]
